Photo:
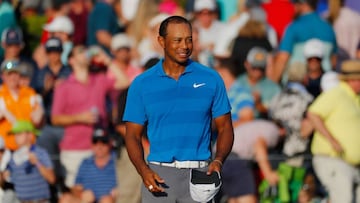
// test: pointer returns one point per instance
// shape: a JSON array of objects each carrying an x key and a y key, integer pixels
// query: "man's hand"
[
  {"x": 151, "y": 181},
  {"x": 215, "y": 165}
]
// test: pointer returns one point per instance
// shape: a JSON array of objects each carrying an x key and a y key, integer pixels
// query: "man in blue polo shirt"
[
  {"x": 177, "y": 99},
  {"x": 307, "y": 25}
]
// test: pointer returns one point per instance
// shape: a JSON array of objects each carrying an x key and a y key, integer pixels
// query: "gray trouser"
[
  {"x": 176, "y": 186},
  {"x": 49, "y": 139}
]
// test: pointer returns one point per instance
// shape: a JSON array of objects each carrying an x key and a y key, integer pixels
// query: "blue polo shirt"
[
  {"x": 306, "y": 27},
  {"x": 99, "y": 180},
  {"x": 178, "y": 113}
]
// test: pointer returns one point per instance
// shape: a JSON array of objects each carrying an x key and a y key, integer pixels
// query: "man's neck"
[
  {"x": 101, "y": 162},
  {"x": 173, "y": 69},
  {"x": 81, "y": 74},
  {"x": 55, "y": 66}
]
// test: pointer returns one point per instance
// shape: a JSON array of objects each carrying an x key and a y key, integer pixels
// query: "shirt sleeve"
[
  {"x": 58, "y": 106},
  {"x": 134, "y": 107},
  {"x": 288, "y": 40},
  {"x": 221, "y": 104}
]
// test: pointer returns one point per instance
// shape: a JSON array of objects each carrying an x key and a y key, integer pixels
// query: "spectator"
[
  {"x": 289, "y": 109},
  {"x": 31, "y": 22},
  {"x": 314, "y": 53},
  {"x": 121, "y": 67},
  {"x": 16, "y": 102},
  {"x": 241, "y": 99},
  {"x": 79, "y": 15},
  {"x": 209, "y": 27},
  {"x": 149, "y": 44},
  {"x": 307, "y": 25},
  {"x": 252, "y": 140},
  {"x": 263, "y": 89},
  {"x": 252, "y": 34},
  {"x": 346, "y": 23},
  {"x": 335, "y": 115},
  {"x": 13, "y": 43},
  {"x": 63, "y": 28},
  {"x": 47, "y": 79},
  {"x": 6, "y": 12},
  {"x": 102, "y": 24},
  {"x": 30, "y": 166},
  {"x": 96, "y": 178},
  {"x": 201, "y": 89},
  {"x": 79, "y": 104},
  {"x": 7, "y": 193}
]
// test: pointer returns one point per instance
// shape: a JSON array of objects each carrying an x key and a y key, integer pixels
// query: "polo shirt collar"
[{"x": 160, "y": 70}]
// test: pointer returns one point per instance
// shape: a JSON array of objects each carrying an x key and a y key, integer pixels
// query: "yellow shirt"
[
  {"x": 21, "y": 108},
  {"x": 340, "y": 110}
]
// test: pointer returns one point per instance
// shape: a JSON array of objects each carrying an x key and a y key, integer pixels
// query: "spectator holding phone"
[{"x": 30, "y": 166}]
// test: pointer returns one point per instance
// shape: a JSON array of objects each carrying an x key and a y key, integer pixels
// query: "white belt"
[{"x": 183, "y": 164}]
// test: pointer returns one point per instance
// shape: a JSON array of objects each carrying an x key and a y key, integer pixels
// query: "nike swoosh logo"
[{"x": 198, "y": 85}]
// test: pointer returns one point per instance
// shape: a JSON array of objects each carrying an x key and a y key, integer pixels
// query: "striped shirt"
[
  {"x": 99, "y": 180},
  {"x": 29, "y": 183}
]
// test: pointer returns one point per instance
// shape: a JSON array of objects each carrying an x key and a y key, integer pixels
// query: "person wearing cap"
[
  {"x": 13, "y": 43},
  {"x": 177, "y": 99},
  {"x": 96, "y": 179},
  {"x": 121, "y": 66},
  {"x": 16, "y": 102},
  {"x": 314, "y": 53},
  {"x": 262, "y": 88},
  {"x": 306, "y": 25},
  {"x": 335, "y": 114},
  {"x": 210, "y": 28},
  {"x": 31, "y": 170},
  {"x": 6, "y": 12},
  {"x": 78, "y": 104},
  {"x": 63, "y": 28},
  {"x": 47, "y": 78}
]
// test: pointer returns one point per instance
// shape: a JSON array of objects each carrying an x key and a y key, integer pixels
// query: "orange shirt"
[{"x": 20, "y": 108}]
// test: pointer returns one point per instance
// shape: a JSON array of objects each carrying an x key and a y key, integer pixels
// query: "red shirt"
[{"x": 279, "y": 14}]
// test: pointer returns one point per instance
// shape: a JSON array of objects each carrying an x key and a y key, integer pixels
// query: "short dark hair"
[{"x": 172, "y": 19}]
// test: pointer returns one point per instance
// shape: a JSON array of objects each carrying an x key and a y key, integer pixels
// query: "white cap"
[
  {"x": 120, "y": 41},
  {"x": 329, "y": 80},
  {"x": 60, "y": 24},
  {"x": 314, "y": 48},
  {"x": 204, "y": 4},
  {"x": 157, "y": 19}
]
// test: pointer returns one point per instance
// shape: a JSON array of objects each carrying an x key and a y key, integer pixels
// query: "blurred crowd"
[{"x": 290, "y": 68}]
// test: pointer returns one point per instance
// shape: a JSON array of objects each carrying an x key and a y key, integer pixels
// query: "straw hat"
[{"x": 350, "y": 69}]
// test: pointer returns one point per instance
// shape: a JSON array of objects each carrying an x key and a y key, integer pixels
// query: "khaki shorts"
[{"x": 71, "y": 160}]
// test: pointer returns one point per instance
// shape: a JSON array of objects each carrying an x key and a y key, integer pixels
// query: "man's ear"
[{"x": 161, "y": 41}]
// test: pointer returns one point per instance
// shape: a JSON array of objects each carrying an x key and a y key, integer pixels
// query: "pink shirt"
[{"x": 72, "y": 97}]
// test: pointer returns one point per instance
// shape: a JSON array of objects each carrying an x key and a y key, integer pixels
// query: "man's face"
[
  {"x": 54, "y": 56},
  {"x": 101, "y": 149},
  {"x": 177, "y": 44},
  {"x": 11, "y": 78},
  {"x": 123, "y": 55},
  {"x": 205, "y": 17},
  {"x": 12, "y": 50},
  {"x": 314, "y": 64}
]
